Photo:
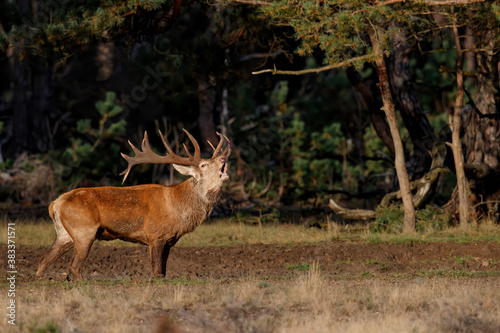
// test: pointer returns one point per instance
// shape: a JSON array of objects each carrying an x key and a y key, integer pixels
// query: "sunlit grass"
[
  {"x": 29, "y": 232},
  {"x": 485, "y": 231},
  {"x": 212, "y": 233},
  {"x": 227, "y": 231}
]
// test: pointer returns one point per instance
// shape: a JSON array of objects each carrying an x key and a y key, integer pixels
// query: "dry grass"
[
  {"x": 30, "y": 232},
  {"x": 309, "y": 303},
  {"x": 229, "y": 232},
  {"x": 226, "y": 232},
  {"x": 220, "y": 232}
]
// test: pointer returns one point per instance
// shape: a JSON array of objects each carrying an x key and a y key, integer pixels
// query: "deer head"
[{"x": 208, "y": 173}]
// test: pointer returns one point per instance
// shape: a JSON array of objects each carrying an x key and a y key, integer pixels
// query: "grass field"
[
  {"x": 227, "y": 232},
  {"x": 308, "y": 301}
]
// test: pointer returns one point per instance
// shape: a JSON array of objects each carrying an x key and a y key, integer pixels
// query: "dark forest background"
[{"x": 80, "y": 78}]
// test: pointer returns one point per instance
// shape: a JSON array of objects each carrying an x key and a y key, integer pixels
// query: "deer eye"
[{"x": 204, "y": 165}]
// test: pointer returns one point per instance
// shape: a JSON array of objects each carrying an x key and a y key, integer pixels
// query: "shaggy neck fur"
[{"x": 202, "y": 203}]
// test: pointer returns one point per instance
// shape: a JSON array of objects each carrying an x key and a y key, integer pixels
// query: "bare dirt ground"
[{"x": 226, "y": 262}]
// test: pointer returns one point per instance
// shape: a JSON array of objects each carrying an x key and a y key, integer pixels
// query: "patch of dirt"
[{"x": 225, "y": 262}]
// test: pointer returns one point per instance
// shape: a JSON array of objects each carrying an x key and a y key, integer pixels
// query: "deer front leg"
[
  {"x": 166, "y": 252},
  {"x": 159, "y": 254}
]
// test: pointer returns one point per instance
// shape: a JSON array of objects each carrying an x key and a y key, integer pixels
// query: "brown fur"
[{"x": 154, "y": 215}]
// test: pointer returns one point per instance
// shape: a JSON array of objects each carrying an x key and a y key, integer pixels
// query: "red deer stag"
[{"x": 154, "y": 215}]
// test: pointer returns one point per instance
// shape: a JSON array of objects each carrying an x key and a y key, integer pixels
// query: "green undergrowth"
[{"x": 227, "y": 232}]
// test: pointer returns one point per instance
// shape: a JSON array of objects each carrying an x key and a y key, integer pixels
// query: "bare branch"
[
  {"x": 316, "y": 70},
  {"x": 253, "y": 2}
]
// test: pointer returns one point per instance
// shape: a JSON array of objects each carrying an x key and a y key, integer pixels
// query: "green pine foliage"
[
  {"x": 299, "y": 154},
  {"x": 293, "y": 138},
  {"x": 340, "y": 27},
  {"x": 59, "y": 28},
  {"x": 96, "y": 151}
]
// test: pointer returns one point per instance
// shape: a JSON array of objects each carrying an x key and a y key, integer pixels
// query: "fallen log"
[
  {"x": 421, "y": 188},
  {"x": 352, "y": 214}
]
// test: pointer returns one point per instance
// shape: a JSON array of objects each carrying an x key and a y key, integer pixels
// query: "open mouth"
[{"x": 223, "y": 169}]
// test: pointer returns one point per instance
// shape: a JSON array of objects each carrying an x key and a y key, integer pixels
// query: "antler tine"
[
  {"x": 219, "y": 146},
  {"x": 146, "y": 147},
  {"x": 130, "y": 159},
  {"x": 187, "y": 151},
  {"x": 170, "y": 151},
  {"x": 126, "y": 171},
  {"x": 227, "y": 151},
  {"x": 211, "y": 145},
  {"x": 167, "y": 146},
  {"x": 197, "y": 151},
  {"x": 148, "y": 156}
]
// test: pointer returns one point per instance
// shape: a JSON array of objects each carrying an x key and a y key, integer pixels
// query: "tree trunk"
[
  {"x": 369, "y": 104},
  {"x": 388, "y": 108},
  {"x": 20, "y": 140},
  {"x": 206, "y": 118},
  {"x": 412, "y": 112},
  {"x": 458, "y": 156},
  {"x": 482, "y": 133},
  {"x": 32, "y": 102}
]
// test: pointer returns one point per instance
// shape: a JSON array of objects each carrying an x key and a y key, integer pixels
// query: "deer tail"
[{"x": 51, "y": 210}]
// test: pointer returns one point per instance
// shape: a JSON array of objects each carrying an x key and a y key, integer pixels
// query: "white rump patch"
[{"x": 61, "y": 233}]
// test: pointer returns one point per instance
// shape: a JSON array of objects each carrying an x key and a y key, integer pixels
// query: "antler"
[
  {"x": 148, "y": 156},
  {"x": 227, "y": 150}
]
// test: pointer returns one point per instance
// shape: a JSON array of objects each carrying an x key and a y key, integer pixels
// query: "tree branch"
[
  {"x": 316, "y": 70},
  {"x": 479, "y": 113},
  {"x": 254, "y": 2}
]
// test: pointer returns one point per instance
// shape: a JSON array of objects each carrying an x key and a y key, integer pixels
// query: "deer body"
[{"x": 154, "y": 215}]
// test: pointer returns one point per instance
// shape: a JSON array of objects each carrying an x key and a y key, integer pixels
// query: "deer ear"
[{"x": 186, "y": 170}]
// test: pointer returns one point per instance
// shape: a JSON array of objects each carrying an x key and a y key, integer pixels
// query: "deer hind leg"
[
  {"x": 61, "y": 245},
  {"x": 83, "y": 242}
]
